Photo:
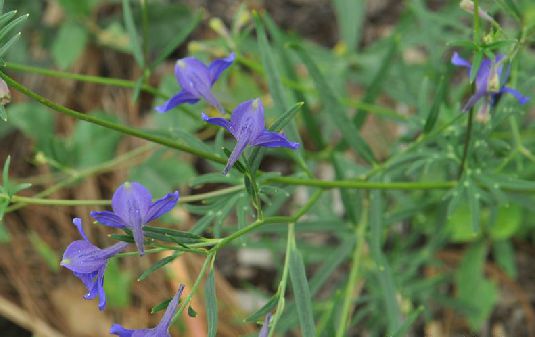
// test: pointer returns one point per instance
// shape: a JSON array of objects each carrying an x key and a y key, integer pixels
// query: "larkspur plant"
[{"x": 402, "y": 199}]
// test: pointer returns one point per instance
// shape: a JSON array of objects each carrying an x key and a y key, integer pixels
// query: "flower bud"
[
  {"x": 5, "y": 95},
  {"x": 468, "y": 6}
]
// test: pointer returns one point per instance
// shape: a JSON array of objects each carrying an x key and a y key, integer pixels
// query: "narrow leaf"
[
  {"x": 301, "y": 293},
  {"x": 402, "y": 331},
  {"x": 132, "y": 33},
  {"x": 159, "y": 264},
  {"x": 260, "y": 313},
  {"x": 350, "y": 16},
  {"x": 437, "y": 102},
  {"x": 211, "y": 304},
  {"x": 337, "y": 111},
  {"x": 4, "y": 31}
]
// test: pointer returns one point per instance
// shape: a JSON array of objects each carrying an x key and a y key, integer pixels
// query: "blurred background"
[{"x": 67, "y": 159}]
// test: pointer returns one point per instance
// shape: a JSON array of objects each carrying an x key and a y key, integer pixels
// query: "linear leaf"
[
  {"x": 301, "y": 293},
  {"x": 437, "y": 102},
  {"x": 350, "y": 16},
  {"x": 402, "y": 331},
  {"x": 159, "y": 264},
  {"x": 4, "y": 31},
  {"x": 260, "y": 313},
  {"x": 337, "y": 111},
  {"x": 132, "y": 33},
  {"x": 211, "y": 304}
]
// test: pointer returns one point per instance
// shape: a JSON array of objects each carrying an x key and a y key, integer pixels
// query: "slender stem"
[
  {"x": 359, "y": 184},
  {"x": 86, "y": 172},
  {"x": 476, "y": 22},
  {"x": 281, "y": 290},
  {"x": 208, "y": 261},
  {"x": 102, "y": 202},
  {"x": 470, "y": 122},
  {"x": 111, "y": 125},
  {"x": 84, "y": 78},
  {"x": 345, "y": 314}
]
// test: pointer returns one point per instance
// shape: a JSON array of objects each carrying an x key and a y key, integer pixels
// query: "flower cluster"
[
  {"x": 247, "y": 121},
  {"x": 132, "y": 205},
  {"x": 132, "y": 209}
]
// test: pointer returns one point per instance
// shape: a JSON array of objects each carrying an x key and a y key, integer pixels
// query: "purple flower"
[
  {"x": 265, "y": 327},
  {"x": 161, "y": 330},
  {"x": 88, "y": 263},
  {"x": 247, "y": 126},
  {"x": 196, "y": 80},
  {"x": 133, "y": 208},
  {"x": 489, "y": 83}
]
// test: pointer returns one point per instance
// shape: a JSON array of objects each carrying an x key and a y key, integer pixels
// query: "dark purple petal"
[
  {"x": 131, "y": 202},
  {"x": 218, "y": 66},
  {"x": 82, "y": 256},
  {"x": 519, "y": 97},
  {"x": 139, "y": 238},
  {"x": 264, "y": 332},
  {"x": 170, "y": 311},
  {"x": 457, "y": 60},
  {"x": 108, "y": 218},
  {"x": 78, "y": 223},
  {"x": 274, "y": 139},
  {"x": 90, "y": 282},
  {"x": 236, "y": 153},
  {"x": 247, "y": 120},
  {"x": 180, "y": 98},
  {"x": 162, "y": 206},
  {"x": 483, "y": 75},
  {"x": 118, "y": 330},
  {"x": 100, "y": 289},
  {"x": 222, "y": 122}
]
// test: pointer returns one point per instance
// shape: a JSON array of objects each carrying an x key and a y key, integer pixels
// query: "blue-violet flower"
[
  {"x": 161, "y": 330},
  {"x": 247, "y": 126},
  {"x": 264, "y": 332},
  {"x": 88, "y": 263},
  {"x": 489, "y": 82},
  {"x": 196, "y": 80},
  {"x": 133, "y": 208}
]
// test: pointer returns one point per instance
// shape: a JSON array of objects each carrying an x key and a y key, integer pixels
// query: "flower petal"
[
  {"x": 131, "y": 201},
  {"x": 180, "y": 98},
  {"x": 90, "y": 282},
  {"x": 139, "y": 238},
  {"x": 222, "y": 122},
  {"x": 247, "y": 120},
  {"x": 274, "y": 139},
  {"x": 100, "y": 287},
  {"x": 519, "y": 97},
  {"x": 108, "y": 218},
  {"x": 162, "y": 206},
  {"x": 118, "y": 330},
  {"x": 218, "y": 66},
  {"x": 460, "y": 62},
  {"x": 236, "y": 153},
  {"x": 82, "y": 256},
  {"x": 265, "y": 327},
  {"x": 163, "y": 326},
  {"x": 78, "y": 223}
]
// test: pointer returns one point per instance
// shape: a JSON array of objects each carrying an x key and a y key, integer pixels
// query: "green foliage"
[
  {"x": 69, "y": 44},
  {"x": 117, "y": 286}
]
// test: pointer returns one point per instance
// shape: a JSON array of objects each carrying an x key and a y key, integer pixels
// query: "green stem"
[
  {"x": 127, "y": 157},
  {"x": 345, "y": 314},
  {"x": 115, "y": 82},
  {"x": 476, "y": 22},
  {"x": 356, "y": 184},
  {"x": 110, "y": 125},
  {"x": 470, "y": 122},
  {"x": 208, "y": 261},
  {"x": 101, "y": 202},
  {"x": 281, "y": 290}
]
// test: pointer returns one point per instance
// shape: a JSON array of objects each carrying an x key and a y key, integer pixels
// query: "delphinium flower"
[
  {"x": 196, "y": 80},
  {"x": 88, "y": 263},
  {"x": 247, "y": 126},
  {"x": 133, "y": 208},
  {"x": 161, "y": 330},
  {"x": 489, "y": 82}
]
